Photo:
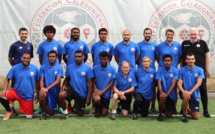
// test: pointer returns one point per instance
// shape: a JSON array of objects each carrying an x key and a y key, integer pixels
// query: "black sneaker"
[
  {"x": 43, "y": 116},
  {"x": 113, "y": 116},
  {"x": 160, "y": 117},
  {"x": 64, "y": 116},
  {"x": 134, "y": 116},
  {"x": 206, "y": 114},
  {"x": 185, "y": 119},
  {"x": 97, "y": 113},
  {"x": 14, "y": 111}
]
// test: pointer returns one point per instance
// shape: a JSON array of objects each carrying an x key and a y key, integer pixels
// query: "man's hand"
[
  {"x": 88, "y": 101},
  {"x": 2, "y": 93},
  {"x": 36, "y": 98}
]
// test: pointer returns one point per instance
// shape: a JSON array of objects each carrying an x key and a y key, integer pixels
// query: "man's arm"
[
  {"x": 137, "y": 57},
  {"x": 207, "y": 65},
  {"x": 85, "y": 57},
  {"x": 59, "y": 57},
  {"x": 11, "y": 61},
  {"x": 174, "y": 81},
  {"x": 116, "y": 58},
  {"x": 110, "y": 85},
  {"x": 65, "y": 58},
  {"x": 157, "y": 58},
  {"x": 196, "y": 86},
  {"x": 41, "y": 59},
  {"x": 90, "y": 91},
  {"x": 110, "y": 58}
]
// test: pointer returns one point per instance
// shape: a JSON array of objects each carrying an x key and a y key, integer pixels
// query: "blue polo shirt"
[
  {"x": 79, "y": 76},
  {"x": 174, "y": 50},
  {"x": 70, "y": 47},
  {"x": 124, "y": 83},
  {"x": 145, "y": 82},
  {"x": 166, "y": 77},
  {"x": 50, "y": 74},
  {"x": 25, "y": 80},
  {"x": 103, "y": 76},
  {"x": 98, "y": 47},
  {"x": 127, "y": 53},
  {"x": 147, "y": 50},
  {"x": 17, "y": 49},
  {"x": 45, "y": 47},
  {"x": 190, "y": 77}
]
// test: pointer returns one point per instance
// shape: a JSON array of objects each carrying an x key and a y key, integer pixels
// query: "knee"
[
  {"x": 115, "y": 97},
  {"x": 62, "y": 94},
  {"x": 97, "y": 99}
]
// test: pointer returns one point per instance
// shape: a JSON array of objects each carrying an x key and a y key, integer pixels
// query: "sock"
[
  {"x": 5, "y": 104},
  {"x": 65, "y": 111},
  {"x": 114, "y": 111}
]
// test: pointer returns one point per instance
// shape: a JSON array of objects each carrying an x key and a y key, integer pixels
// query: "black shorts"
[
  {"x": 104, "y": 102},
  {"x": 144, "y": 105},
  {"x": 170, "y": 105},
  {"x": 125, "y": 104},
  {"x": 79, "y": 102},
  {"x": 194, "y": 105}
]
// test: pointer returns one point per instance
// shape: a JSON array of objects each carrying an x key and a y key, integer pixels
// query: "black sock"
[{"x": 5, "y": 104}]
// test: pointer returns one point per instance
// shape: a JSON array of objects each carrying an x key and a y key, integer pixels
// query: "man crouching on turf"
[
  {"x": 77, "y": 85},
  {"x": 50, "y": 77}
]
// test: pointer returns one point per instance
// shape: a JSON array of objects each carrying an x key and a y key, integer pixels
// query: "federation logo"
[
  {"x": 81, "y": 47},
  {"x": 197, "y": 45},
  {"x": 109, "y": 74},
  {"x": 132, "y": 49},
  {"x": 130, "y": 79},
  {"x": 83, "y": 73},
  {"x": 151, "y": 76},
  {"x": 55, "y": 48},
  {"x": 64, "y": 15},
  {"x": 20, "y": 47},
  {"x": 32, "y": 73},
  {"x": 171, "y": 75},
  {"x": 153, "y": 48},
  {"x": 181, "y": 16},
  {"x": 175, "y": 48},
  {"x": 55, "y": 72},
  {"x": 196, "y": 75},
  {"x": 108, "y": 50}
]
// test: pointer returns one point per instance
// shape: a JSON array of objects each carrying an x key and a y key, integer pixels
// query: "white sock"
[
  {"x": 114, "y": 111},
  {"x": 29, "y": 116},
  {"x": 65, "y": 111}
]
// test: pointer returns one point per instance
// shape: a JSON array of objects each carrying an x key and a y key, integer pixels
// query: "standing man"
[
  {"x": 190, "y": 79},
  {"x": 26, "y": 77},
  {"x": 77, "y": 85},
  {"x": 16, "y": 51},
  {"x": 127, "y": 51},
  {"x": 201, "y": 51},
  {"x": 50, "y": 77},
  {"x": 48, "y": 45},
  {"x": 124, "y": 85},
  {"x": 104, "y": 75},
  {"x": 101, "y": 45},
  {"x": 169, "y": 47},
  {"x": 143, "y": 93},
  {"x": 148, "y": 48},
  {"x": 167, "y": 77},
  {"x": 74, "y": 44}
]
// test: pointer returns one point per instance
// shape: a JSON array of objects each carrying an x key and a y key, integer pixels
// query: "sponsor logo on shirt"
[
  {"x": 151, "y": 76},
  {"x": 171, "y": 75},
  {"x": 81, "y": 47},
  {"x": 130, "y": 79},
  {"x": 153, "y": 48},
  {"x": 197, "y": 45},
  {"x": 29, "y": 48},
  {"x": 187, "y": 45},
  {"x": 55, "y": 72},
  {"x": 107, "y": 50},
  {"x": 83, "y": 73},
  {"x": 55, "y": 48},
  {"x": 109, "y": 74},
  {"x": 175, "y": 48},
  {"x": 132, "y": 49},
  {"x": 20, "y": 47},
  {"x": 196, "y": 75},
  {"x": 32, "y": 73}
]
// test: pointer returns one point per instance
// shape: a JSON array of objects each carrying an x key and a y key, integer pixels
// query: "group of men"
[{"x": 136, "y": 76}]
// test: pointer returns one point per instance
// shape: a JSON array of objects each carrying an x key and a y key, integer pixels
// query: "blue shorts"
[
  {"x": 194, "y": 105},
  {"x": 51, "y": 101}
]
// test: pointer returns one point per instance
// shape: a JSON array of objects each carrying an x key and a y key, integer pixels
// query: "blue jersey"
[
  {"x": 103, "y": 76},
  {"x": 127, "y": 53},
  {"x": 17, "y": 49},
  {"x": 189, "y": 78},
  {"x": 147, "y": 50},
  {"x": 25, "y": 80},
  {"x": 98, "y": 47},
  {"x": 124, "y": 83},
  {"x": 70, "y": 47},
  {"x": 79, "y": 76},
  {"x": 166, "y": 77},
  {"x": 145, "y": 82},
  {"x": 50, "y": 74},
  {"x": 174, "y": 50},
  {"x": 45, "y": 47}
]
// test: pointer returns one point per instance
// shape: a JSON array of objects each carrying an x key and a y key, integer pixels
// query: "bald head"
[{"x": 126, "y": 35}]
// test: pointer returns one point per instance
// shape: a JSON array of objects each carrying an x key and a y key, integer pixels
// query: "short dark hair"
[
  {"x": 74, "y": 28},
  {"x": 22, "y": 29},
  {"x": 78, "y": 51},
  {"x": 26, "y": 53},
  {"x": 49, "y": 28},
  {"x": 147, "y": 29},
  {"x": 170, "y": 30},
  {"x": 52, "y": 51},
  {"x": 103, "y": 29},
  {"x": 104, "y": 54},
  {"x": 190, "y": 54},
  {"x": 167, "y": 56}
]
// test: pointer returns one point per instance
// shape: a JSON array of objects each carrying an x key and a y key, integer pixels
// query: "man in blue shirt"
[
  {"x": 26, "y": 77},
  {"x": 167, "y": 78},
  {"x": 169, "y": 47},
  {"x": 48, "y": 45},
  {"x": 123, "y": 88},
  {"x": 148, "y": 48},
  {"x": 16, "y": 51},
  {"x": 101, "y": 45},
  {"x": 104, "y": 75},
  {"x": 127, "y": 51},
  {"x": 77, "y": 85},
  {"x": 50, "y": 77},
  {"x": 143, "y": 93},
  {"x": 190, "y": 79},
  {"x": 74, "y": 44}
]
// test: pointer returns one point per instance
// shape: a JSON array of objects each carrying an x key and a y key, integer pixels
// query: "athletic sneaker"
[
  {"x": 60, "y": 110},
  {"x": 43, "y": 116},
  {"x": 38, "y": 111},
  {"x": 8, "y": 115},
  {"x": 153, "y": 111},
  {"x": 64, "y": 116},
  {"x": 134, "y": 116},
  {"x": 185, "y": 119},
  {"x": 14, "y": 111},
  {"x": 97, "y": 113},
  {"x": 69, "y": 108},
  {"x": 160, "y": 117},
  {"x": 113, "y": 116},
  {"x": 206, "y": 114}
]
